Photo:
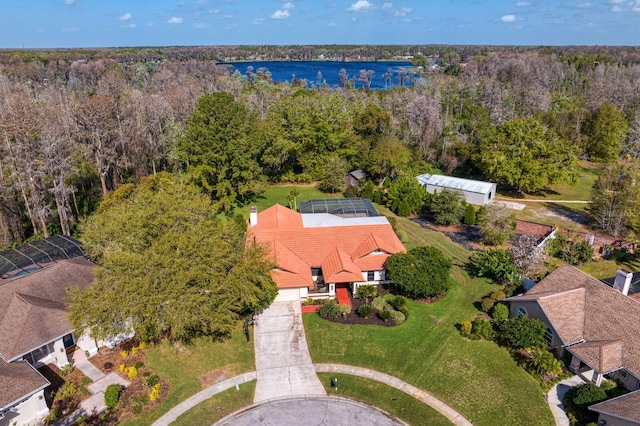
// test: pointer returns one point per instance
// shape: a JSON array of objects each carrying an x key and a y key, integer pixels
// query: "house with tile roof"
[
  {"x": 316, "y": 253},
  {"x": 596, "y": 323},
  {"x": 35, "y": 330}
]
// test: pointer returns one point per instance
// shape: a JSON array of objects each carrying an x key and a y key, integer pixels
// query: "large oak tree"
[{"x": 168, "y": 265}]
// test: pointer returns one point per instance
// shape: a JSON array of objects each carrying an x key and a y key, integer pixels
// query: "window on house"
[
  {"x": 548, "y": 336},
  {"x": 521, "y": 311},
  {"x": 371, "y": 275},
  {"x": 316, "y": 272},
  {"x": 382, "y": 275}
]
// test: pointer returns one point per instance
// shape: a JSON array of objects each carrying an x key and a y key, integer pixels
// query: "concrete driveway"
[{"x": 283, "y": 363}]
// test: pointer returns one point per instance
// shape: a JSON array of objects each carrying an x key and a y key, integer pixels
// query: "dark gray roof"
[
  {"x": 343, "y": 207},
  {"x": 18, "y": 380},
  {"x": 358, "y": 174}
]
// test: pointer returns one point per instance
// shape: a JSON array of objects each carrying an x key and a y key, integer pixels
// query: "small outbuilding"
[
  {"x": 354, "y": 177},
  {"x": 475, "y": 191}
]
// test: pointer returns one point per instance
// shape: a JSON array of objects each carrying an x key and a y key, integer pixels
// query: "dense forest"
[{"x": 76, "y": 124}]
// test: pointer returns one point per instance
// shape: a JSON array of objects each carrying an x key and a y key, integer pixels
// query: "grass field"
[
  {"x": 277, "y": 194},
  {"x": 218, "y": 406},
  {"x": 391, "y": 400},
  {"x": 477, "y": 378},
  {"x": 183, "y": 367}
]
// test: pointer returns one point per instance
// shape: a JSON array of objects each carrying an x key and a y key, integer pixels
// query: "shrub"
[
  {"x": 487, "y": 303},
  {"x": 329, "y": 309},
  {"x": 469, "y": 215},
  {"x": 404, "y": 209},
  {"x": 66, "y": 369},
  {"x": 465, "y": 328},
  {"x": 421, "y": 272},
  {"x": 155, "y": 392},
  {"x": 143, "y": 345},
  {"x": 500, "y": 312},
  {"x": 67, "y": 390},
  {"x": 344, "y": 310},
  {"x": 379, "y": 303},
  {"x": 133, "y": 351},
  {"x": 398, "y": 317},
  {"x": 112, "y": 395},
  {"x": 54, "y": 413},
  {"x": 121, "y": 367},
  {"x": 523, "y": 332},
  {"x": 482, "y": 328},
  {"x": 139, "y": 364},
  {"x": 364, "y": 292},
  {"x": 498, "y": 295},
  {"x": 151, "y": 381},
  {"x": 124, "y": 353},
  {"x": 398, "y": 302},
  {"x": 587, "y": 394},
  {"x": 403, "y": 236},
  {"x": 364, "y": 311},
  {"x": 385, "y": 314},
  {"x": 132, "y": 372}
]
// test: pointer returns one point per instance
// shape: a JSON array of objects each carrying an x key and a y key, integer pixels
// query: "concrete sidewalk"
[
  {"x": 555, "y": 396},
  {"x": 454, "y": 416},
  {"x": 283, "y": 362}
]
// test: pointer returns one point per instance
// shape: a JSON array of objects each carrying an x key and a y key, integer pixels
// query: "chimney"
[
  {"x": 253, "y": 216},
  {"x": 623, "y": 281}
]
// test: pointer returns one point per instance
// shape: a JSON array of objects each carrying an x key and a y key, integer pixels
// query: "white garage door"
[{"x": 288, "y": 295}]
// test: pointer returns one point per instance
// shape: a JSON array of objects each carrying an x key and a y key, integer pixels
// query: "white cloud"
[
  {"x": 616, "y": 1},
  {"x": 200, "y": 25},
  {"x": 387, "y": 5},
  {"x": 508, "y": 18},
  {"x": 70, "y": 30},
  {"x": 332, "y": 24},
  {"x": 175, "y": 20},
  {"x": 125, "y": 17},
  {"x": 131, "y": 25},
  {"x": 280, "y": 14},
  {"x": 70, "y": 2},
  {"x": 402, "y": 12},
  {"x": 288, "y": 5},
  {"x": 616, "y": 9},
  {"x": 359, "y": 6},
  {"x": 636, "y": 6},
  {"x": 227, "y": 16},
  {"x": 258, "y": 21},
  {"x": 523, "y": 4},
  {"x": 584, "y": 5}
]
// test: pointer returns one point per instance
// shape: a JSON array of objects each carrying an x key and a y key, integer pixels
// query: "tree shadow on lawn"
[{"x": 579, "y": 217}]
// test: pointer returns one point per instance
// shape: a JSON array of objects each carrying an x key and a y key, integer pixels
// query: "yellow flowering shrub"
[
  {"x": 132, "y": 372},
  {"x": 122, "y": 367},
  {"x": 142, "y": 346},
  {"x": 155, "y": 392},
  {"x": 124, "y": 353}
]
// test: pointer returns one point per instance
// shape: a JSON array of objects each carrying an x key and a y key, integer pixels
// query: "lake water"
[{"x": 385, "y": 74}]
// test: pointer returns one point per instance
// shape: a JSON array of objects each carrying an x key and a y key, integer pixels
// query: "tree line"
[{"x": 72, "y": 130}]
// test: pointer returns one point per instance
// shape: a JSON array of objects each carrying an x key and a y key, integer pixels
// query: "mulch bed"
[{"x": 354, "y": 318}]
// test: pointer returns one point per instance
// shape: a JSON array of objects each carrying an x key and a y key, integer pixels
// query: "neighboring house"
[
  {"x": 316, "y": 253},
  {"x": 620, "y": 411},
  {"x": 475, "y": 191},
  {"x": 596, "y": 323},
  {"x": 354, "y": 177},
  {"x": 34, "y": 329}
]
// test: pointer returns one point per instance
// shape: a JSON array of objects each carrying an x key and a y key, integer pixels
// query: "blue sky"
[{"x": 104, "y": 23}]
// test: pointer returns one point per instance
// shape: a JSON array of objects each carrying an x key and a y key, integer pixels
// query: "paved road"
[
  {"x": 310, "y": 411},
  {"x": 283, "y": 362}
]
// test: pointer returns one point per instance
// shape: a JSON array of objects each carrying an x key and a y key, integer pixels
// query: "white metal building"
[{"x": 475, "y": 191}]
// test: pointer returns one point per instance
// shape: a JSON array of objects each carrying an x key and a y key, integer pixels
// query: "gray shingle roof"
[
  {"x": 625, "y": 406},
  {"x": 32, "y": 311},
  {"x": 609, "y": 319},
  {"x": 19, "y": 380}
]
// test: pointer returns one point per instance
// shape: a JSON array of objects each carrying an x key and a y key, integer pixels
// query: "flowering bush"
[
  {"x": 132, "y": 372},
  {"x": 155, "y": 392}
]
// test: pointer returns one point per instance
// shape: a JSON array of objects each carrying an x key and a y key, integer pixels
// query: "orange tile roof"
[
  {"x": 310, "y": 247},
  {"x": 338, "y": 268}
]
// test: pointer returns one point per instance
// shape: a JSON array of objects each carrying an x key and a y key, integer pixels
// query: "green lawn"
[
  {"x": 184, "y": 367},
  {"x": 218, "y": 406},
  {"x": 277, "y": 194},
  {"x": 477, "y": 378},
  {"x": 391, "y": 400}
]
